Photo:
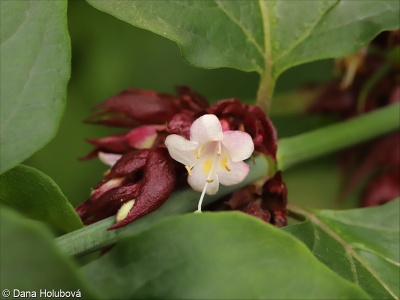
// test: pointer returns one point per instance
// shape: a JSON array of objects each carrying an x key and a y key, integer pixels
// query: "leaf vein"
[
  {"x": 306, "y": 34},
  {"x": 347, "y": 247},
  {"x": 247, "y": 33}
]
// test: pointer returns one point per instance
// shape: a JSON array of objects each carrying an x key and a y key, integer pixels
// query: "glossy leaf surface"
[
  {"x": 215, "y": 256},
  {"x": 35, "y": 69},
  {"x": 37, "y": 195},
  {"x": 361, "y": 245}
]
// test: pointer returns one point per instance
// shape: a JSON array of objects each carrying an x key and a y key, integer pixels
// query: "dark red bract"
[
  {"x": 267, "y": 202},
  {"x": 250, "y": 119},
  {"x": 145, "y": 172},
  {"x": 147, "y": 176},
  {"x": 375, "y": 84}
]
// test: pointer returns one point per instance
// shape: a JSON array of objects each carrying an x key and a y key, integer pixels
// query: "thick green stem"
[
  {"x": 96, "y": 236},
  {"x": 265, "y": 92},
  {"x": 322, "y": 141},
  {"x": 291, "y": 151},
  {"x": 267, "y": 82}
]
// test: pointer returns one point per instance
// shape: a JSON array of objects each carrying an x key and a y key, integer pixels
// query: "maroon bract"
[
  {"x": 374, "y": 84},
  {"x": 267, "y": 202},
  {"x": 382, "y": 189},
  {"x": 383, "y": 156},
  {"x": 146, "y": 176},
  {"x": 274, "y": 194},
  {"x": 132, "y": 107},
  {"x": 180, "y": 124},
  {"x": 143, "y": 175},
  {"x": 250, "y": 119}
]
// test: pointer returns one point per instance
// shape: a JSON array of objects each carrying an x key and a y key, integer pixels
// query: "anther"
[
  {"x": 210, "y": 180},
  {"x": 227, "y": 167}
]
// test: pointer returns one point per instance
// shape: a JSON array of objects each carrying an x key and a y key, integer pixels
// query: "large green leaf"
[
  {"x": 215, "y": 256},
  {"x": 37, "y": 195},
  {"x": 35, "y": 68},
  {"x": 31, "y": 262},
  {"x": 263, "y": 36},
  {"x": 361, "y": 245}
]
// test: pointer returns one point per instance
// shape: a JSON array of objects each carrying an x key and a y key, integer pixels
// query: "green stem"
[
  {"x": 291, "y": 151},
  {"x": 265, "y": 92},
  {"x": 267, "y": 81},
  {"x": 322, "y": 141},
  {"x": 96, "y": 236}
]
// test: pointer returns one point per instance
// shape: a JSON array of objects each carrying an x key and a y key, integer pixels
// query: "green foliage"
[
  {"x": 247, "y": 35},
  {"x": 347, "y": 254},
  {"x": 36, "y": 195},
  {"x": 267, "y": 37},
  {"x": 361, "y": 245},
  {"x": 35, "y": 69},
  {"x": 31, "y": 262},
  {"x": 215, "y": 256}
]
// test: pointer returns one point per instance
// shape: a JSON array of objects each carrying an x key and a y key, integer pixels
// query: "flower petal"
[
  {"x": 143, "y": 137},
  {"x": 198, "y": 179},
  {"x": 239, "y": 144},
  {"x": 205, "y": 129},
  {"x": 109, "y": 158},
  {"x": 238, "y": 172},
  {"x": 181, "y": 149}
]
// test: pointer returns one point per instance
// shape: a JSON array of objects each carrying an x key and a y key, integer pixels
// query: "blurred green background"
[{"x": 109, "y": 56}]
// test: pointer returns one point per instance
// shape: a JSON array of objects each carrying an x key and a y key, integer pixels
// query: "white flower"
[{"x": 212, "y": 156}]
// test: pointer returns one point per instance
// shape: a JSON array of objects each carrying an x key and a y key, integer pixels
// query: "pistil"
[{"x": 217, "y": 151}]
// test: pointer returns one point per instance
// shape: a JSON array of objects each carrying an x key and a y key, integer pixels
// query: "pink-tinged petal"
[
  {"x": 224, "y": 124},
  {"x": 181, "y": 149},
  {"x": 198, "y": 179},
  {"x": 109, "y": 158},
  {"x": 238, "y": 172},
  {"x": 205, "y": 129},
  {"x": 239, "y": 144},
  {"x": 143, "y": 137}
]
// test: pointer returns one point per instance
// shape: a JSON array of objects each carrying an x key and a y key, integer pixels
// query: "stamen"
[
  {"x": 219, "y": 149},
  {"x": 198, "y": 151},
  {"x": 189, "y": 170},
  {"x": 227, "y": 167},
  {"x": 208, "y": 180}
]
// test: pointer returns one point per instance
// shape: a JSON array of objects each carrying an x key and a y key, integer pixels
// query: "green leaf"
[
  {"x": 31, "y": 262},
  {"x": 37, "y": 195},
  {"x": 361, "y": 245},
  {"x": 263, "y": 36},
  {"x": 215, "y": 256},
  {"x": 35, "y": 68}
]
